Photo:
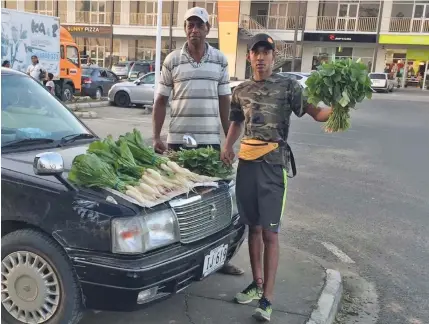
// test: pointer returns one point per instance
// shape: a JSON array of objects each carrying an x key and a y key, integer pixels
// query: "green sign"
[{"x": 418, "y": 55}]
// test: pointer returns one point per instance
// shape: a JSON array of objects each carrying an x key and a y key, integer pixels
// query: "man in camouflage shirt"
[{"x": 264, "y": 104}]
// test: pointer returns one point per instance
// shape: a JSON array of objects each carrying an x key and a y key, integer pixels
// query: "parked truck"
[{"x": 24, "y": 34}]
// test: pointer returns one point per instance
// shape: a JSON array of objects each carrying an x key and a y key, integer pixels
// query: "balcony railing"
[
  {"x": 409, "y": 25},
  {"x": 93, "y": 17},
  {"x": 281, "y": 23},
  {"x": 360, "y": 24},
  {"x": 144, "y": 19}
]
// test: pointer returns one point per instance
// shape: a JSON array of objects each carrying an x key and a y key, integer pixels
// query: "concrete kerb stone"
[
  {"x": 86, "y": 114},
  {"x": 84, "y": 105},
  {"x": 329, "y": 300}
]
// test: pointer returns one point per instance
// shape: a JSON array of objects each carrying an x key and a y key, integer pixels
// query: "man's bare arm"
[
  {"x": 158, "y": 115},
  {"x": 318, "y": 114},
  {"x": 233, "y": 133},
  {"x": 224, "y": 107}
]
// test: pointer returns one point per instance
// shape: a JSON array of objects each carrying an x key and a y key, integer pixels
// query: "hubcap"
[
  {"x": 30, "y": 291},
  {"x": 98, "y": 94}
]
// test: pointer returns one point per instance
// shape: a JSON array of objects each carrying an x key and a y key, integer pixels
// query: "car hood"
[{"x": 22, "y": 162}]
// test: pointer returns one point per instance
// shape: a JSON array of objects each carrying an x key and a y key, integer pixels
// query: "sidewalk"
[{"x": 300, "y": 281}]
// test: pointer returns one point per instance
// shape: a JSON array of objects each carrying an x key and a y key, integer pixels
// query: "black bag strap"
[{"x": 292, "y": 161}]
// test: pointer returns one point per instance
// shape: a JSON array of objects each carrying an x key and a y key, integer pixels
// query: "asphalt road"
[{"x": 360, "y": 199}]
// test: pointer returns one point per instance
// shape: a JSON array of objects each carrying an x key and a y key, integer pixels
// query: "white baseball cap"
[{"x": 197, "y": 12}]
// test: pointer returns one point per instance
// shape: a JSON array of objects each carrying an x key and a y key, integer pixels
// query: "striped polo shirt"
[{"x": 195, "y": 89}]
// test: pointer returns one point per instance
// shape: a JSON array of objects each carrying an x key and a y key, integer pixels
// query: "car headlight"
[
  {"x": 140, "y": 234},
  {"x": 233, "y": 198}
]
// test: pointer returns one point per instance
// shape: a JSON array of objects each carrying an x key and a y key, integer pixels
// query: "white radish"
[
  {"x": 166, "y": 168},
  {"x": 175, "y": 167},
  {"x": 147, "y": 189},
  {"x": 152, "y": 173},
  {"x": 149, "y": 181},
  {"x": 134, "y": 195},
  {"x": 144, "y": 194},
  {"x": 132, "y": 189}
]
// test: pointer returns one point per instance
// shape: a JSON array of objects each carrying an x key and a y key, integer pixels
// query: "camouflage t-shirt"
[{"x": 265, "y": 107}]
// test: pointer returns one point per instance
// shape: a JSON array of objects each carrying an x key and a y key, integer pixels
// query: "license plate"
[{"x": 215, "y": 259}]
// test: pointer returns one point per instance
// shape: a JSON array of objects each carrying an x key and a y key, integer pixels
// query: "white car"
[
  {"x": 139, "y": 92},
  {"x": 382, "y": 82},
  {"x": 301, "y": 77}
]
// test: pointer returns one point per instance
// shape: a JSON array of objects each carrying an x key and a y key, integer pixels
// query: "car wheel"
[
  {"x": 67, "y": 93},
  {"x": 38, "y": 281},
  {"x": 122, "y": 99},
  {"x": 98, "y": 94}
]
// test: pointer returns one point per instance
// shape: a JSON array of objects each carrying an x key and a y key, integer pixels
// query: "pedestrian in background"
[
  {"x": 6, "y": 64},
  {"x": 50, "y": 85},
  {"x": 197, "y": 77},
  {"x": 35, "y": 70}
]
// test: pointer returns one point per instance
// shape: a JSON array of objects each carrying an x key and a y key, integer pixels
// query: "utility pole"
[
  {"x": 170, "y": 47},
  {"x": 295, "y": 36},
  {"x": 377, "y": 44},
  {"x": 112, "y": 20}
]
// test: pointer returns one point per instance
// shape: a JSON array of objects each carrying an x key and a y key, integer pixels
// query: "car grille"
[{"x": 199, "y": 218}]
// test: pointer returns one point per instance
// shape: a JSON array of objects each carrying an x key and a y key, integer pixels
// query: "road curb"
[
  {"x": 84, "y": 105},
  {"x": 329, "y": 300},
  {"x": 86, "y": 114}
]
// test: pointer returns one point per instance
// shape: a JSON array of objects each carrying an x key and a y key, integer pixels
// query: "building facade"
[{"x": 385, "y": 34}]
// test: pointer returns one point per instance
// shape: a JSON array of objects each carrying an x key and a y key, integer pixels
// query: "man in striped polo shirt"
[{"x": 197, "y": 77}]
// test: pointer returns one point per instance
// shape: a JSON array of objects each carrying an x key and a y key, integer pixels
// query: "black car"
[
  {"x": 96, "y": 82},
  {"x": 66, "y": 247}
]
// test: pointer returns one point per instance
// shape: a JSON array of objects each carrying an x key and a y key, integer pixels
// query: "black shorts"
[
  {"x": 261, "y": 194},
  {"x": 176, "y": 147}
]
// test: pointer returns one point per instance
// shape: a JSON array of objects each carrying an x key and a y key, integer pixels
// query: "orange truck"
[{"x": 24, "y": 34}]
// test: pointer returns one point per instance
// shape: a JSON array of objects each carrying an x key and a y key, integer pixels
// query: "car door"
[
  {"x": 147, "y": 84},
  {"x": 104, "y": 81},
  {"x": 111, "y": 80}
]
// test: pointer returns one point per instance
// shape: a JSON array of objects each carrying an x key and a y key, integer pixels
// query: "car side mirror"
[
  {"x": 189, "y": 141},
  {"x": 48, "y": 163}
]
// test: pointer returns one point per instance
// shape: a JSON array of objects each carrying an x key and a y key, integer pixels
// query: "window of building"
[
  {"x": 9, "y": 4},
  {"x": 144, "y": 49},
  {"x": 211, "y": 7},
  {"x": 95, "y": 11}
]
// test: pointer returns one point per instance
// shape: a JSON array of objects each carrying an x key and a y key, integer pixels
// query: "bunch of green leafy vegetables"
[
  {"x": 89, "y": 170},
  {"x": 203, "y": 161},
  {"x": 339, "y": 84},
  {"x": 142, "y": 153},
  {"x": 118, "y": 155}
]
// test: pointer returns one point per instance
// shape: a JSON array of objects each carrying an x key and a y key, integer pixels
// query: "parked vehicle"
[
  {"x": 122, "y": 69},
  {"x": 139, "y": 92},
  {"x": 383, "y": 82},
  {"x": 140, "y": 68},
  {"x": 298, "y": 76},
  {"x": 97, "y": 82},
  {"x": 35, "y": 34},
  {"x": 65, "y": 247}
]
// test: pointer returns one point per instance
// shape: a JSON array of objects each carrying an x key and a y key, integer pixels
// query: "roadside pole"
[
  {"x": 425, "y": 76},
  {"x": 158, "y": 46},
  {"x": 295, "y": 37}
]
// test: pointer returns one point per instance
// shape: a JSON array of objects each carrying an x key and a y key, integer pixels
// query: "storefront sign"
[
  {"x": 418, "y": 55},
  {"x": 404, "y": 39},
  {"x": 88, "y": 29},
  {"x": 340, "y": 37}
]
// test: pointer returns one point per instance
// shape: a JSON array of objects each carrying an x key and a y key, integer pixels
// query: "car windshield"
[
  {"x": 377, "y": 76},
  {"x": 32, "y": 112}
]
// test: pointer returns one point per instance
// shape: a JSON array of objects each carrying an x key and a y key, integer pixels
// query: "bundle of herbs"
[
  {"x": 203, "y": 161},
  {"x": 341, "y": 85}
]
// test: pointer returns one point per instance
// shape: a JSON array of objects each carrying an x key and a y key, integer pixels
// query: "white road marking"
[{"x": 337, "y": 252}]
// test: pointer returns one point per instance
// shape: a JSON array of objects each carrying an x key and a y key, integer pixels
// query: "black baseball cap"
[{"x": 265, "y": 39}]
